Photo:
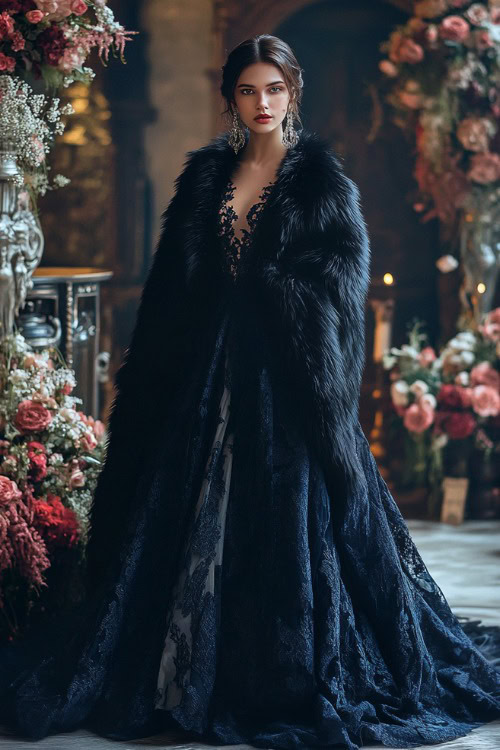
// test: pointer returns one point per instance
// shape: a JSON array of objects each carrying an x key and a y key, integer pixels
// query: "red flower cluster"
[
  {"x": 454, "y": 396},
  {"x": 53, "y": 43},
  {"x": 456, "y": 424},
  {"x": 38, "y": 461},
  {"x": 57, "y": 525}
]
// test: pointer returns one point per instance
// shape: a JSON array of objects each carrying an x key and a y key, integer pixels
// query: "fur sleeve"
[
  {"x": 316, "y": 296},
  {"x": 145, "y": 383}
]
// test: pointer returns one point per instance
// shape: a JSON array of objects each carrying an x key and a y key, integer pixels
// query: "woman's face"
[{"x": 261, "y": 89}]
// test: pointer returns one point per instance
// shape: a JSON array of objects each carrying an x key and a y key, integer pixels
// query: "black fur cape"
[{"x": 300, "y": 298}]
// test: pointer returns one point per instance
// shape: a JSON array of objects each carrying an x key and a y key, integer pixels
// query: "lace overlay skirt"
[{"x": 194, "y": 602}]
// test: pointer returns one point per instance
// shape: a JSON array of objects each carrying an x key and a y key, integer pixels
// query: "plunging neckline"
[{"x": 236, "y": 245}]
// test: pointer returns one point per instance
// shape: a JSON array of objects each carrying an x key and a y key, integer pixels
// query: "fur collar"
[{"x": 309, "y": 191}]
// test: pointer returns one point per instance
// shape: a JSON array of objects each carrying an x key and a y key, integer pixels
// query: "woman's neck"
[{"x": 264, "y": 148}]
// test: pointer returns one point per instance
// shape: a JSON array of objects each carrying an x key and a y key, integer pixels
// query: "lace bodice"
[{"x": 236, "y": 246}]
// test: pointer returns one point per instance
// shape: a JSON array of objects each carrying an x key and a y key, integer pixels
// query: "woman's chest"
[{"x": 238, "y": 215}]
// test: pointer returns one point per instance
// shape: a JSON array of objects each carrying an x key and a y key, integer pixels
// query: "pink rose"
[
  {"x": 32, "y": 416},
  {"x": 7, "y": 63},
  {"x": 485, "y": 374},
  {"x": 72, "y": 59},
  {"x": 34, "y": 16},
  {"x": 77, "y": 479},
  {"x": 9, "y": 491},
  {"x": 418, "y": 417},
  {"x": 454, "y": 28},
  {"x": 78, "y": 7},
  {"x": 485, "y": 401},
  {"x": 484, "y": 168},
  {"x": 426, "y": 356},
  {"x": 6, "y": 25},
  {"x": 88, "y": 441},
  {"x": 490, "y": 328}
]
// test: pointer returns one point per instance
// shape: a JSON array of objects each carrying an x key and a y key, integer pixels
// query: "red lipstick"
[{"x": 262, "y": 118}]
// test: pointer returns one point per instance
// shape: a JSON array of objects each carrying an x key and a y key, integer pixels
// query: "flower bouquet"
[
  {"x": 442, "y": 82},
  {"x": 50, "y": 457},
  {"x": 446, "y": 405}
]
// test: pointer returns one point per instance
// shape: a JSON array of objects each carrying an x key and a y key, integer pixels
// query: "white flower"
[
  {"x": 463, "y": 340},
  {"x": 68, "y": 415},
  {"x": 429, "y": 400},
  {"x": 409, "y": 351},
  {"x": 446, "y": 263},
  {"x": 388, "y": 360},
  {"x": 462, "y": 378},
  {"x": 399, "y": 392},
  {"x": 18, "y": 376},
  {"x": 440, "y": 441},
  {"x": 419, "y": 387}
]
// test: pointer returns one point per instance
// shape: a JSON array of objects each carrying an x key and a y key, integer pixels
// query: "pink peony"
[
  {"x": 426, "y": 356},
  {"x": 490, "y": 328},
  {"x": 485, "y": 374},
  {"x": 418, "y": 417},
  {"x": 34, "y": 16},
  {"x": 454, "y": 28},
  {"x": 7, "y": 63},
  {"x": 485, "y": 401},
  {"x": 9, "y": 491},
  {"x": 32, "y": 416},
  {"x": 484, "y": 168}
]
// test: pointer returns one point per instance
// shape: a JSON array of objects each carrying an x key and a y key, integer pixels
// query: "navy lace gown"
[{"x": 245, "y": 608}]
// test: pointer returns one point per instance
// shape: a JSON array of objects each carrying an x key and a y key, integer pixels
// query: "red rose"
[
  {"x": 454, "y": 396},
  {"x": 57, "y": 524},
  {"x": 456, "y": 424},
  {"x": 53, "y": 43},
  {"x": 31, "y": 416},
  {"x": 35, "y": 447},
  {"x": 38, "y": 467}
]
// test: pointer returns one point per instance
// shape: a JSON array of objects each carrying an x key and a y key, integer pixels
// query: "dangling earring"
[
  {"x": 290, "y": 136},
  {"x": 236, "y": 134}
]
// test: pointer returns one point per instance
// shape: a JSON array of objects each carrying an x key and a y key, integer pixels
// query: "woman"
[{"x": 250, "y": 577}]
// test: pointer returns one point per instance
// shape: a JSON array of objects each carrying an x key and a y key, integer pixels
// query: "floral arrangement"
[
  {"x": 53, "y": 38},
  {"x": 49, "y": 40},
  {"x": 29, "y": 123},
  {"x": 451, "y": 397},
  {"x": 443, "y": 71},
  {"x": 50, "y": 457}
]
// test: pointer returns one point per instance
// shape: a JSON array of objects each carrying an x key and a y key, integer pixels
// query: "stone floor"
[{"x": 464, "y": 560}]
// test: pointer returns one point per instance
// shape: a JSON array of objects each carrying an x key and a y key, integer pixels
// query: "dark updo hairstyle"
[{"x": 262, "y": 48}]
